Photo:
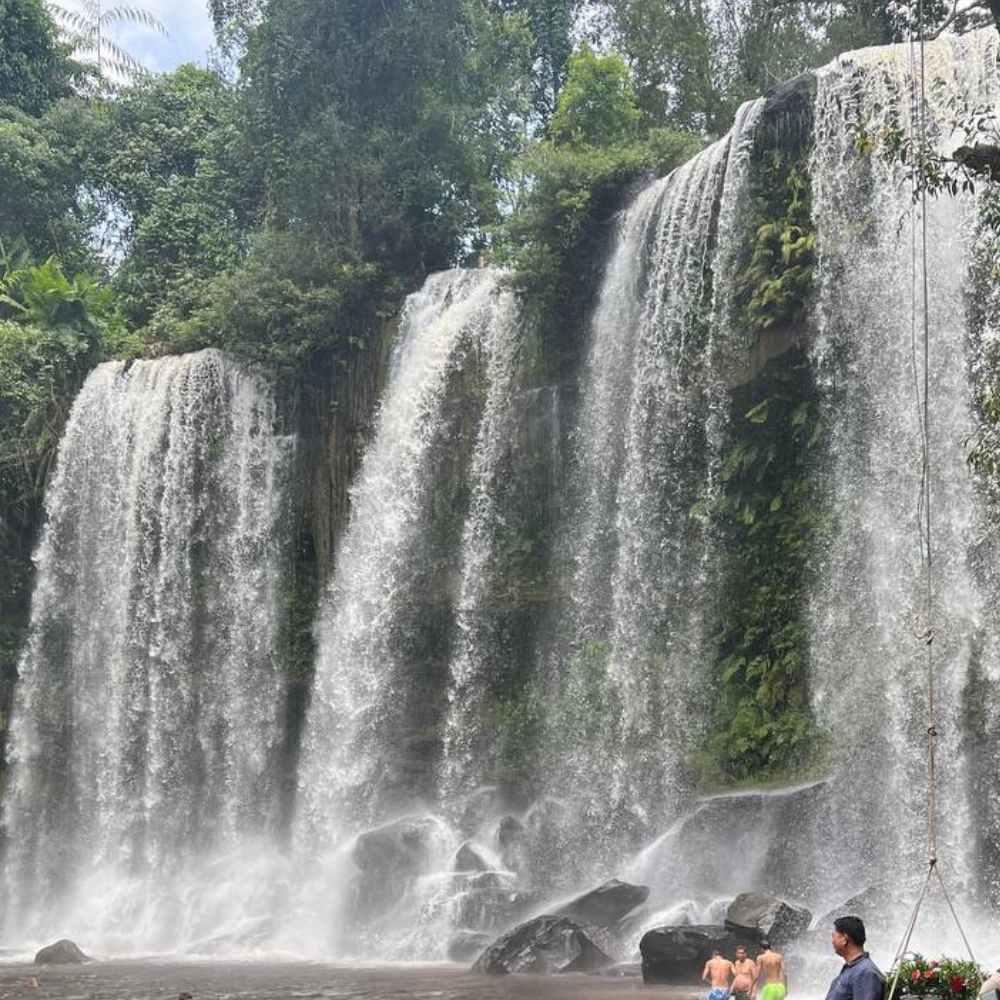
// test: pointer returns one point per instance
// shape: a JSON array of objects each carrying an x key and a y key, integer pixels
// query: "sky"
[{"x": 188, "y": 39}]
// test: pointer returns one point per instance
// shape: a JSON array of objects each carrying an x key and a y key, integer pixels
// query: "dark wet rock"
[
  {"x": 544, "y": 945},
  {"x": 792, "y": 97},
  {"x": 678, "y": 954},
  {"x": 465, "y": 945},
  {"x": 492, "y": 909},
  {"x": 402, "y": 846},
  {"x": 469, "y": 858},
  {"x": 606, "y": 905},
  {"x": 389, "y": 858},
  {"x": 775, "y": 919},
  {"x": 63, "y": 952}
]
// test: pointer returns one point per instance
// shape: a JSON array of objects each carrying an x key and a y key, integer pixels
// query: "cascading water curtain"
[
  {"x": 626, "y": 662},
  {"x": 387, "y": 624},
  {"x": 870, "y": 683},
  {"x": 148, "y": 724}
]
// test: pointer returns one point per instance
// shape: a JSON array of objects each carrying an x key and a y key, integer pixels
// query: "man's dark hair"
[
  {"x": 853, "y": 927},
  {"x": 765, "y": 944}
]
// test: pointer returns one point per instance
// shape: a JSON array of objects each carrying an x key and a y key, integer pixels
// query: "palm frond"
[
  {"x": 73, "y": 19},
  {"x": 133, "y": 15},
  {"x": 121, "y": 61}
]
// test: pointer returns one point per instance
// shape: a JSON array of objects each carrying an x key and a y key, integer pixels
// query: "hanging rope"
[
  {"x": 918, "y": 124},
  {"x": 926, "y": 477}
]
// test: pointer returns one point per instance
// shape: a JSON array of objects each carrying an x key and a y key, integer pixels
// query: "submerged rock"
[
  {"x": 605, "y": 905},
  {"x": 63, "y": 952},
  {"x": 465, "y": 945},
  {"x": 547, "y": 944},
  {"x": 678, "y": 954},
  {"x": 775, "y": 919}
]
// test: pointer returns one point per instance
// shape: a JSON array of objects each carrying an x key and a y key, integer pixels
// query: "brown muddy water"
[{"x": 302, "y": 981}]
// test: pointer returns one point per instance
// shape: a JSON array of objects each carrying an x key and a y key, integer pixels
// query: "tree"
[
  {"x": 551, "y": 23},
  {"x": 172, "y": 169},
  {"x": 87, "y": 31},
  {"x": 35, "y": 69},
  {"x": 671, "y": 50},
  {"x": 597, "y": 106},
  {"x": 43, "y": 169},
  {"x": 380, "y": 135}
]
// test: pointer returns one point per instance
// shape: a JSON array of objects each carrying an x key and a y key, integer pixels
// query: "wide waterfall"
[
  {"x": 148, "y": 725},
  {"x": 518, "y": 645},
  {"x": 869, "y": 665}
]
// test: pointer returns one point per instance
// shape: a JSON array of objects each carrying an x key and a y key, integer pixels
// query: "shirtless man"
[
  {"x": 745, "y": 979},
  {"x": 718, "y": 973},
  {"x": 772, "y": 973}
]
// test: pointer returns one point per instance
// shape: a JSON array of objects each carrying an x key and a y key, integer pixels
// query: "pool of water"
[{"x": 302, "y": 981}]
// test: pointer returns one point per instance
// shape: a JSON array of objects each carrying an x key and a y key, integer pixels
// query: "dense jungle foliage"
[{"x": 279, "y": 205}]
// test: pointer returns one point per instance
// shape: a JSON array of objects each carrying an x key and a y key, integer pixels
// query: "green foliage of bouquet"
[{"x": 948, "y": 978}]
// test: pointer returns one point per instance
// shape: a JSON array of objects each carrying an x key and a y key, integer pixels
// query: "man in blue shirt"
[{"x": 860, "y": 978}]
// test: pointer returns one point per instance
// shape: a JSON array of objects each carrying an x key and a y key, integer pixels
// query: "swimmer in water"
[
  {"x": 718, "y": 973},
  {"x": 745, "y": 976},
  {"x": 771, "y": 966}
]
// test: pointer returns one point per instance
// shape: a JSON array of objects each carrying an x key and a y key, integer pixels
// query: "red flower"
[
  {"x": 929, "y": 974},
  {"x": 957, "y": 984},
  {"x": 915, "y": 975}
]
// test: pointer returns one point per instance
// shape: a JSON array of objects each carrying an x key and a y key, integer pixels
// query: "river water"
[{"x": 280, "y": 980}]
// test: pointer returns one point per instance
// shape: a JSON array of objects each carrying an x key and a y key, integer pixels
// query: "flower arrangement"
[{"x": 948, "y": 978}]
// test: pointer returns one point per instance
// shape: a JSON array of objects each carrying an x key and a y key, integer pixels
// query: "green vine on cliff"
[
  {"x": 773, "y": 288},
  {"x": 769, "y": 516}
]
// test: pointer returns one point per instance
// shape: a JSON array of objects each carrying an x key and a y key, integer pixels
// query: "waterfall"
[
  {"x": 397, "y": 627},
  {"x": 519, "y": 638},
  {"x": 869, "y": 674},
  {"x": 390, "y": 601},
  {"x": 147, "y": 727},
  {"x": 624, "y": 674}
]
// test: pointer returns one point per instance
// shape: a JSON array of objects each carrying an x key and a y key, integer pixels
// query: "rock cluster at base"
[
  {"x": 63, "y": 952},
  {"x": 544, "y": 945},
  {"x": 774, "y": 919},
  {"x": 678, "y": 954},
  {"x": 605, "y": 905}
]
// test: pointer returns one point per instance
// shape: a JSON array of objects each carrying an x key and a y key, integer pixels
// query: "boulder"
[
  {"x": 544, "y": 945},
  {"x": 605, "y": 905},
  {"x": 63, "y": 952},
  {"x": 774, "y": 918},
  {"x": 465, "y": 945},
  {"x": 677, "y": 955},
  {"x": 491, "y": 909},
  {"x": 389, "y": 858},
  {"x": 402, "y": 846},
  {"x": 469, "y": 858}
]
